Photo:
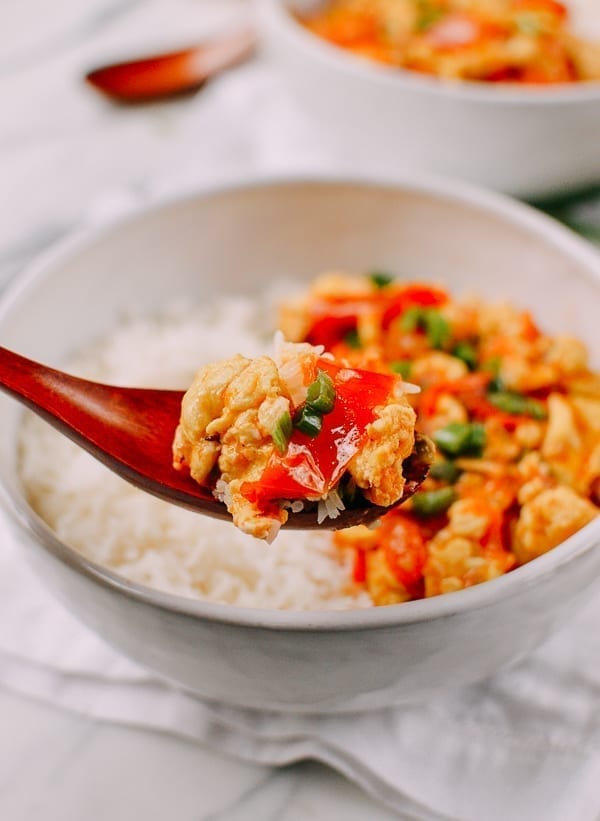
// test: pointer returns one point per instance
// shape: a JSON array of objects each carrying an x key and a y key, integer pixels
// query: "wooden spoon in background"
[{"x": 176, "y": 72}]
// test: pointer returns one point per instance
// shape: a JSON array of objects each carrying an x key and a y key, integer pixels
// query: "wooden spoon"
[
  {"x": 130, "y": 430},
  {"x": 175, "y": 72}
]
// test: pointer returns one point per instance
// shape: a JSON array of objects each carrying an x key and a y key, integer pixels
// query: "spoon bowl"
[
  {"x": 131, "y": 430},
  {"x": 160, "y": 76}
]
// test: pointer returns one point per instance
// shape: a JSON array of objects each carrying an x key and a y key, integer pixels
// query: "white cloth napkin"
[{"x": 521, "y": 747}]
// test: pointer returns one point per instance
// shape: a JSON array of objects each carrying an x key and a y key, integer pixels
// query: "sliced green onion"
[
  {"x": 477, "y": 439},
  {"x": 468, "y": 354},
  {"x": 380, "y": 279},
  {"x": 529, "y": 24},
  {"x": 308, "y": 422},
  {"x": 433, "y": 502},
  {"x": 445, "y": 472},
  {"x": 401, "y": 366},
  {"x": 411, "y": 319},
  {"x": 352, "y": 339},
  {"x": 436, "y": 327},
  {"x": 515, "y": 403},
  {"x": 282, "y": 432},
  {"x": 536, "y": 409},
  {"x": 428, "y": 17},
  {"x": 492, "y": 365},
  {"x": 461, "y": 438},
  {"x": 321, "y": 394}
]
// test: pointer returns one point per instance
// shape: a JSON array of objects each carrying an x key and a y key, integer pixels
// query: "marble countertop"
[
  {"x": 65, "y": 155},
  {"x": 61, "y": 767}
]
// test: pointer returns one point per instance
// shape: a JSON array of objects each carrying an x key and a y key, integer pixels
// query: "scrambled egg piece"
[
  {"x": 457, "y": 556},
  {"x": 377, "y": 467},
  {"x": 529, "y": 477},
  {"x": 548, "y": 519},
  {"x": 227, "y": 418},
  {"x": 230, "y": 416},
  {"x": 484, "y": 40},
  {"x": 382, "y": 584}
]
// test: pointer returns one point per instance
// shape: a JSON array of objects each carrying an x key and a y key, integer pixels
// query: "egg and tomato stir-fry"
[
  {"x": 513, "y": 41},
  {"x": 515, "y": 415},
  {"x": 270, "y": 436}
]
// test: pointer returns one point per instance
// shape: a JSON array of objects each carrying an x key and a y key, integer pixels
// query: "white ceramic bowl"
[
  {"x": 524, "y": 141},
  {"x": 238, "y": 239}
]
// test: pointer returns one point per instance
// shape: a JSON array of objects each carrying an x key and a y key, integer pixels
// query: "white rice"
[{"x": 152, "y": 542}]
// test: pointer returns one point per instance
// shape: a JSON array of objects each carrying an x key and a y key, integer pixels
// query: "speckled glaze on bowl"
[
  {"x": 526, "y": 141},
  {"x": 315, "y": 661}
]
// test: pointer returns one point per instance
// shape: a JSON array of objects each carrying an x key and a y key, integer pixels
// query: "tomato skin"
[
  {"x": 359, "y": 570},
  {"x": 413, "y": 296},
  {"x": 312, "y": 466},
  {"x": 470, "y": 389},
  {"x": 405, "y": 551},
  {"x": 333, "y": 318},
  {"x": 550, "y": 6}
]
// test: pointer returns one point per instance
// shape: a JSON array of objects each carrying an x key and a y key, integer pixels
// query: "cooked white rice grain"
[{"x": 150, "y": 541}]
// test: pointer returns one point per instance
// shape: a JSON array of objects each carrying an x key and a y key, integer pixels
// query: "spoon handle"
[
  {"x": 104, "y": 419},
  {"x": 41, "y": 388}
]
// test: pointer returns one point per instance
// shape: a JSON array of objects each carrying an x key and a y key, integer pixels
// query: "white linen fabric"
[{"x": 523, "y": 746}]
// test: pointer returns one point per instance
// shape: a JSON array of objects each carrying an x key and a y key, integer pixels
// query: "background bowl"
[
  {"x": 524, "y": 141},
  {"x": 240, "y": 239}
]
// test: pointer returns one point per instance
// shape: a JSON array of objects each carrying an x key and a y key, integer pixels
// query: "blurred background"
[{"x": 68, "y": 154}]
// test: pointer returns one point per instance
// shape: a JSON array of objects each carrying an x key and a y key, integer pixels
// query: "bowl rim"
[
  {"x": 451, "y": 604},
  {"x": 277, "y": 14}
]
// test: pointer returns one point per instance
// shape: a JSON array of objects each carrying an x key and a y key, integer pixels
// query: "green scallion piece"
[
  {"x": 492, "y": 365},
  {"x": 401, "y": 366},
  {"x": 445, "y": 471},
  {"x": 529, "y": 24},
  {"x": 516, "y": 403},
  {"x": 436, "y": 327},
  {"x": 468, "y": 354},
  {"x": 433, "y": 502},
  {"x": 321, "y": 394},
  {"x": 380, "y": 279},
  {"x": 411, "y": 319},
  {"x": 428, "y": 17},
  {"x": 460, "y": 439},
  {"x": 476, "y": 440},
  {"x": 308, "y": 422},
  {"x": 352, "y": 339},
  {"x": 282, "y": 432}
]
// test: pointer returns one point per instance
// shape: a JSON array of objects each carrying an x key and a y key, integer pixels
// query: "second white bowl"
[{"x": 524, "y": 141}]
